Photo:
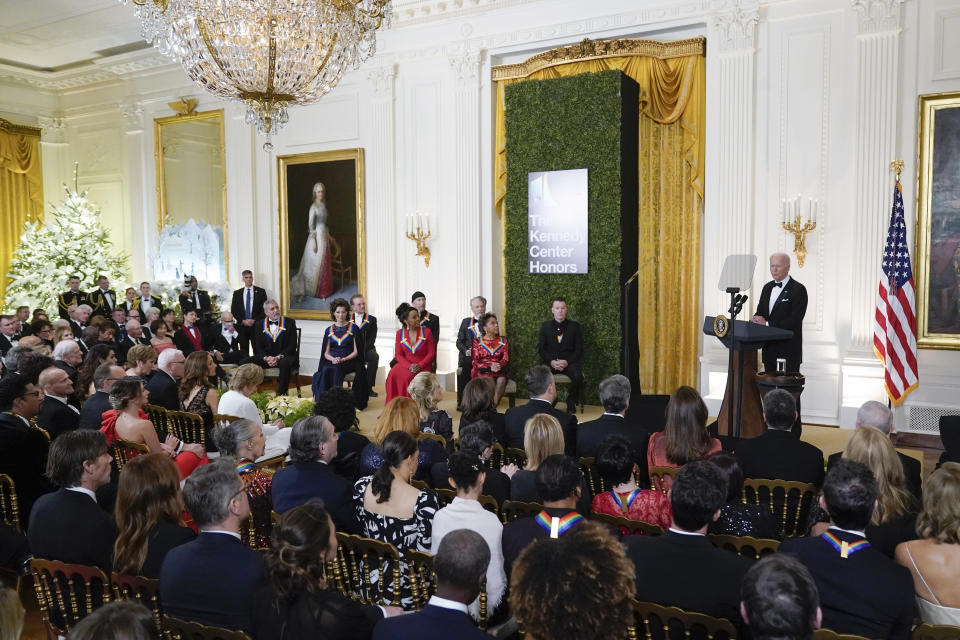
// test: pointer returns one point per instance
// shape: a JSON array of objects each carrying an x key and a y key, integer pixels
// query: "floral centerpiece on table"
[{"x": 288, "y": 408}]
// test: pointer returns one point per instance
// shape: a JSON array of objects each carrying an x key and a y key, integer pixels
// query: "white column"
[
  {"x": 466, "y": 148},
  {"x": 53, "y": 155},
  {"x": 141, "y": 198}
]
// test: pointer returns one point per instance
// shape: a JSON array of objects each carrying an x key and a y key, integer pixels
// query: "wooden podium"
[{"x": 741, "y": 414}]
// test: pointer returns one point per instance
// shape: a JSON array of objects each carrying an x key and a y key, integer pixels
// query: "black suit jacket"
[
  {"x": 23, "y": 457},
  {"x": 238, "y": 304},
  {"x": 911, "y": 472},
  {"x": 780, "y": 455},
  {"x": 516, "y": 419},
  {"x": 230, "y": 350},
  {"x": 205, "y": 309},
  {"x": 368, "y": 331},
  {"x": 78, "y": 333},
  {"x": 211, "y": 580},
  {"x": 865, "y": 594},
  {"x": 590, "y": 437},
  {"x": 128, "y": 342},
  {"x": 432, "y": 322},
  {"x": 430, "y": 622},
  {"x": 163, "y": 391},
  {"x": 67, "y": 298},
  {"x": 570, "y": 348},
  {"x": 787, "y": 313},
  {"x": 155, "y": 302},
  {"x": 163, "y": 537},
  {"x": 5, "y": 345},
  {"x": 687, "y": 571},
  {"x": 98, "y": 301},
  {"x": 183, "y": 343},
  {"x": 465, "y": 340},
  {"x": 285, "y": 343},
  {"x": 517, "y": 535},
  {"x": 294, "y": 485},
  {"x": 71, "y": 371},
  {"x": 91, "y": 413},
  {"x": 70, "y": 526},
  {"x": 57, "y": 417}
]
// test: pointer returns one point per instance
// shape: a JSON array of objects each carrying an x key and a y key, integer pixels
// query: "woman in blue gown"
[{"x": 341, "y": 348}]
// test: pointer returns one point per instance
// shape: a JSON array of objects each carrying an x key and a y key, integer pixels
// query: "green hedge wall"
[{"x": 551, "y": 125}]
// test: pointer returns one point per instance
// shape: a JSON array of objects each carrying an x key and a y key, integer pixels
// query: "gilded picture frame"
[
  {"x": 938, "y": 222},
  {"x": 322, "y": 243}
]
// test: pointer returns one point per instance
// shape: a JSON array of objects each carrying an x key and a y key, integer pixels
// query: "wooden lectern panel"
[{"x": 751, "y": 408}]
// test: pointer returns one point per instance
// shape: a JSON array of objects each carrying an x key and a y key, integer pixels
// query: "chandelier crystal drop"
[{"x": 268, "y": 54}]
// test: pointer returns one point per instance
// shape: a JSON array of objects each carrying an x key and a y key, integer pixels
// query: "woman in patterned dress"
[
  {"x": 490, "y": 356},
  {"x": 244, "y": 440},
  {"x": 616, "y": 465}
]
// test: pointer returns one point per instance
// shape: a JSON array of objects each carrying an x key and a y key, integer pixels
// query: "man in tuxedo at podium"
[{"x": 783, "y": 303}]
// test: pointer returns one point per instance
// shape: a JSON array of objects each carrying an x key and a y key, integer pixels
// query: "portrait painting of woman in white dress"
[{"x": 314, "y": 277}]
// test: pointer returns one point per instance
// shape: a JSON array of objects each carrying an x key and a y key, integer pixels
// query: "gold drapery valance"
[
  {"x": 21, "y": 188},
  {"x": 672, "y": 81}
]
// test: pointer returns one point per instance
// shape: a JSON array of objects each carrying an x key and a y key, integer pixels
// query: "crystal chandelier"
[{"x": 268, "y": 54}]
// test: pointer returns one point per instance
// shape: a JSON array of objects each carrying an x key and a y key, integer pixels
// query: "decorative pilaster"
[
  {"x": 466, "y": 146},
  {"x": 52, "y": 130},
  {"x": 143, "y": 203}
]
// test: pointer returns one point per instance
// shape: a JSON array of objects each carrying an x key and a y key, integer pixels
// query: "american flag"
[{"x": 895, "y": 324}]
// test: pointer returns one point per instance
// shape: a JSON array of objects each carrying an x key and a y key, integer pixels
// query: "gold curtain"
[
  {"x": 671, "y": 176},
  {"x": 21, "y": 189}
]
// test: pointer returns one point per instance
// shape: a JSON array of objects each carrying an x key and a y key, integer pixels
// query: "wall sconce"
[
  {"x": 799, "y": 218},
  {"x": 415, "y": 232}
]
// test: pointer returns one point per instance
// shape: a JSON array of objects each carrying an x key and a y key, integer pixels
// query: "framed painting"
[
  {"x": 321, "y": 231},
  {"x": 938, "y": 222}
]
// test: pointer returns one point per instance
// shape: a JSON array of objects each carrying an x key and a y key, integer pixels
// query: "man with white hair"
[
  {"x": 275, "y": 344},
  {"x": 164, "y": 382},
  {"x": 78, "y": 318},
  {"x": 67, "y": 356},
  {"x": 782, "y": 304},
  {"x": 876, "y": 415},
  {"x": 133, "y": 331}
]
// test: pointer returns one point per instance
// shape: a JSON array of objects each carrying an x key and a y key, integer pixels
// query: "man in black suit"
[
  {"x": 560, "y": 345},
  {"x": 682, "y": 568},
  {"x": 543, "y": 393},
  {"x": 189, "y": 337},
  {"x": 78, "y": 319},
  {"x": 368, "y": 332},
  {"x": 313, "y": 444},
  {"x": 57, "y": 415},
  {"x": 246, "y": 306},
  {"x": 68, "y": 525},
  {"x": 468, "y": 333},
  {"x": 8, "y": 330},
  {"x": 23, "y": 449},
  {"x": 212, "y": 579},
  {"x": 460, "y": 565},
  {"x": 103, "y": 299},
  {"x": 72, "y": 297},
  {"x": 615, "y": 398},
  {"x": 91, "y": 413},
  {"x": 777, "y": 453},
  {"x": 129, "y": 302},
  {"x": 165, "y": 380},
  {"x": 558, "y": 484},
  {"x": 429, "y": 320},
  {"x": 782, "y": 304},
  {"x": 192, "y": 298},
  {"x": 877, "y": 415},
  {"x": 225, "y": 341},
  {"x": 275, "y": 344},
  {"x": 862, "y": 591},
  {"x": 23, "y": 317},
  {"x": 119, "y": 318},
  {"x": 133, "y": 335},
  {"x": 147, "y": 300},
  {"x": 68, "y": 356},
  {"x": 779, "y": 600}
]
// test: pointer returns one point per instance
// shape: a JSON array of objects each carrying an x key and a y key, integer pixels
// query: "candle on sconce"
[{"x": 428, "y": 224}]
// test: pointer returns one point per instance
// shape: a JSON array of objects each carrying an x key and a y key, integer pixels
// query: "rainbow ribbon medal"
[
  {"x": 347, "y": 333},
  {"x": 845, "y": 548},
  {"x": 625, "y": 505},
  {"x": 246, "y": 467},
  {"x": 555, "y": 526},
  {"x": 559, "y": 337},
  {"x": 489, "y": 350},
  {"x": 405, "y": 341}
]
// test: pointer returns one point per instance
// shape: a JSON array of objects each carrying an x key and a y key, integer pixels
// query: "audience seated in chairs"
[
  {"x": 99, "y": 354},
  {"x": 542, "y": 438},
  {"x": 615, "y": 398},
  {"x": 558, "y": 482},
  {"x": 478, "y": 439},
  {"x": 685, "y": 437},
  {"x": 400, "y": 414},
  {"x": 580, "y": 586},
  {"x": 196, "y": 394},
  {"x": 543, "y": 393},
  {"x": 338, "y": 406},
  {"x": 243, "y": 441},
  {"x": 682, "y": 568},
  {"x": 467, "y": 475},
  {"x": 69, "y": 525},
  {"x": 91, "y": 413},
  {"x": 477, "y": 405},
  {"x": 389, "y": 509},
  {"x": 149, "y": 515},
  {"x": 120, "y": 620},
  {"x": 296, "y": 601},
  {"x": 57, "y": 415},
  {"x": 164, "y": 382},
  {"x": 460, "y": 564},
  {"x": 425, "y": 390},
  {"x": 236, "y": 401},
  {"x": 141, "y": 362},
  {"x": 778, "y": 599},
  {"x": 861, "y": 591},
  {"x": 313, "y": 444},
  {"x": 128, "y": 422},
  {"x": 213, "y": 579},
  {"x": 275, "y": 344},
  {"x": 616, "y": 464},
  {"x": 736, "y": 517},
  {"x": 23, "y": 449},
  {"x": 934, "y": 559}
]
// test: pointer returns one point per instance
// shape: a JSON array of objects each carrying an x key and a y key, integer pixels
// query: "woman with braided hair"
[{"x": 295, "y": 602}]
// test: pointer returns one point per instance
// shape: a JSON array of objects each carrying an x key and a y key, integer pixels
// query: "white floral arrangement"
[
  {"x": 169, "y": 291},
  {"x": 288, "y": 408}
]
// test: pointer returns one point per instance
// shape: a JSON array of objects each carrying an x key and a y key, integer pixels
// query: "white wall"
[{"x": 808, "y": 96}]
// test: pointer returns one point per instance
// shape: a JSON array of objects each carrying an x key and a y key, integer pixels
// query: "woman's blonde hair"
[
  {"x": 872, "y": 448},
  {"x": 542, "y": 438},
  {"x": 141, "y": 353},
  {"x": 940, "y": 518},
  {"x": 400, "y": 414},
  {"x": 246, "y": 375},
  {"x": 422, "y": 389}
]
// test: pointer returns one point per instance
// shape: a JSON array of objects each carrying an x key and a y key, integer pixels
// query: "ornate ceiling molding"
[
  {"x": 19, "y": 129},
  {"x": 116, "y": 67}
]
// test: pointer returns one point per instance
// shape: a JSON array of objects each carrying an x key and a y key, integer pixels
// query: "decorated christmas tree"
[{"x": 73, "y": 241}]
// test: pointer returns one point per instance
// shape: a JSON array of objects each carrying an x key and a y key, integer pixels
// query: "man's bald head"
[{"x": 875, "y": 414}]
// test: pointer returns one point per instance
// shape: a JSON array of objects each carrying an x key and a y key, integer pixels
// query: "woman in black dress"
[{"x": 737, "y": 518}]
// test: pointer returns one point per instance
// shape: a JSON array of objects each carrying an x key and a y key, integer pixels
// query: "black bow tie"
[
  {"x": 778, "y": 284},
  {"x": 274, "y": 322}
]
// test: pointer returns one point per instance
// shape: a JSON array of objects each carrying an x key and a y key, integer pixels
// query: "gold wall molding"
[
  {"x": 589, "y": 49},
  {"x": 19, "y": 129}
]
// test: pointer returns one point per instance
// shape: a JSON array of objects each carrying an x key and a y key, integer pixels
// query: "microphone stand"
[
  {"x": 625, "y": 341},
  {"x": 736, "y": 305}
]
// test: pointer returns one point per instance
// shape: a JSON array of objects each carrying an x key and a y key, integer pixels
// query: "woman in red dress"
[
  {"x": 414, "y": 352},
  {"x": 616, "y": 466},
  {"x": 685, "y": 437},
  {"x": 491, "y": 355}
]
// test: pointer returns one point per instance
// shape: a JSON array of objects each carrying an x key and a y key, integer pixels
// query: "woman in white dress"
[
  {"x": 314, "y": 278},
  {"x": 237, "y": 403}
]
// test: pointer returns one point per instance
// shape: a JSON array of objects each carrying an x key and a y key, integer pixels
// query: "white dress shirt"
[
  {"x": 92, "y": 495},
  {"x": 775, "y": 293},
  {"x": 64, "y": 401},
  {"x": 443, "y": 603},
  {"x": 234, "y": 403}
]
